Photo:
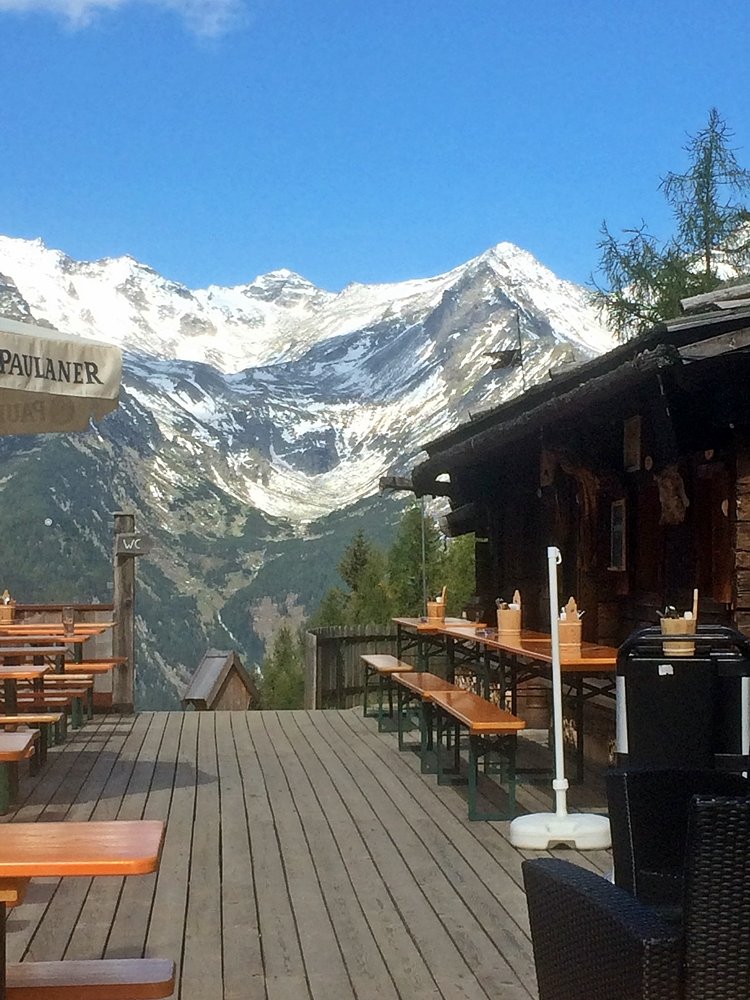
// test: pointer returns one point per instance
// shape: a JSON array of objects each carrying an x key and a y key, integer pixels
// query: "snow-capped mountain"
[{"x": 256, "y": 416}]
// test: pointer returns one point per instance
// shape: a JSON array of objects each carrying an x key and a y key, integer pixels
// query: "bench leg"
[
  {"x": 364, "y": 693},
  {"x": 43, "y": 743},
  {"x": 90, "y": 703},
  {"x": 386, "y": 722},
  {"x": 76, "y": 714},
  {"x": 481, "y": 747},
  {"x": 427, "y": 764},
  {"x": 404, "y": 716},
  {"x": 34, "y": 762},
  {"x": 4, "y": 793},
  {"x": 448, "y": 775},
  {"x": 13, "y": 780},
  {"x": 399, "y": 717}
]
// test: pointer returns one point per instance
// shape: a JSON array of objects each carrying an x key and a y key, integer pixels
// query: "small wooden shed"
[{"x": 221, "y": 683}]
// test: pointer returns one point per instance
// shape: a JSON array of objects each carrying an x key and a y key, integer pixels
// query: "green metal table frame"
[{"x": 497, "y": 753}]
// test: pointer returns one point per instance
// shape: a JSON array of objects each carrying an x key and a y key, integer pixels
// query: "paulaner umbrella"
[{"x": 51, "y": 381}]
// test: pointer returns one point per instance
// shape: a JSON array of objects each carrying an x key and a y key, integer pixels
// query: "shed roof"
[{"x": 210, "y": 674}]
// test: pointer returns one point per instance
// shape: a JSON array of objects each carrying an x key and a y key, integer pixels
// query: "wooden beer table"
[
  {"x": 588, "y": 671},
  {"x": 422, "y": 637},
  {"x": 48, "y": 850},
  {"x": 48, "y": 633}
]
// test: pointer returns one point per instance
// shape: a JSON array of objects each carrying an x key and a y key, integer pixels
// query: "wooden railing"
[{"x": 334, "y": 677}]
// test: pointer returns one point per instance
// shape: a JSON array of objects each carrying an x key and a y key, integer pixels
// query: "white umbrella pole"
[
  {"x": 560, "y": 782},
  {"x": 540, "y": 831}
]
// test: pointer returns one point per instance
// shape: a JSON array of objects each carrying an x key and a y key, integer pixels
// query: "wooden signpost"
[{"x": 128, "y": 545}]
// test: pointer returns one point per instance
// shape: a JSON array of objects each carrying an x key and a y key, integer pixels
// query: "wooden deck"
[{"x": 305, "y": 857}]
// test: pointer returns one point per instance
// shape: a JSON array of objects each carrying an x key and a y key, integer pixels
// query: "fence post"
[
  {"x": 311, "y": 671},
  {"x": 123, "y": 636}
]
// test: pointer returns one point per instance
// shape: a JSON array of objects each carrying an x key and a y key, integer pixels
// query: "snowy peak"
[
  {"x": 280, "y": 316},
  {"x": 280, "y": 283}
]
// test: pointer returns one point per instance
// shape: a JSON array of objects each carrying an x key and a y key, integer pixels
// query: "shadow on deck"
[{"x": 305, "y": 857}]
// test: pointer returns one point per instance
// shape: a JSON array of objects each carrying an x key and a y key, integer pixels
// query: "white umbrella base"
[{"x": 540, "y": 831}]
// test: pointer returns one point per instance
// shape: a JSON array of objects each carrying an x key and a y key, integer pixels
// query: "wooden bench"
[
  {"x": 62, "y": 683},
  {"x": 48, "y": 701},
  {"x": 95, "y": 665},
  {"x": 418, "y": 687},
  {"x": 14, "y": 747},
  {"x": 382, "y": 666},
  {"x": 98, "y": 979},
  {"x": 48, "y": 723},
  {"x": 492, "y": 733}
]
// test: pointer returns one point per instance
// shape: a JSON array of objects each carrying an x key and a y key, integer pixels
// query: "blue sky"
[{"x": 353, "y": 140}]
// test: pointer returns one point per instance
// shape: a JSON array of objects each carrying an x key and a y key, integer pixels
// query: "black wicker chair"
[
  {"x": 648, "y": 815},
  {"x": 593, "y": 939}
]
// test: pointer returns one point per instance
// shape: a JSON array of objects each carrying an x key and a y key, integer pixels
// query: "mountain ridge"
[{"x": 253, "y": 478}]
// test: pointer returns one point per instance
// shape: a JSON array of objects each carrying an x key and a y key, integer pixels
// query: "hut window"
[{"x": 617, "y": 536}]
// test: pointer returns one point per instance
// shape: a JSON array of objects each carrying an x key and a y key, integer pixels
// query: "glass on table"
[{"x": 69, "y": 620}]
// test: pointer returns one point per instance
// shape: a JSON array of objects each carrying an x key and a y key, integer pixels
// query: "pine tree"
[
  {"x": 355, "y": 559},
  {"x": 645, "y": 278},
  {"x": 371, "y": 603},
  {"x": 705, "y": 221},
  {"x": 405, "y": 562},
  {"x": 283, "y": 673},
  {"x": 333, "y": 609},
  {"x": 459, "y": 573}
]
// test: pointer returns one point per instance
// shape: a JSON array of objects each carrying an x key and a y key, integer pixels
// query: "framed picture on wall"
[{"x": 617, "y": 539}]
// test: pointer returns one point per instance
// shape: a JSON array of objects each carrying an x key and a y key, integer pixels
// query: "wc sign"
[{"x": 133, "y": 544}]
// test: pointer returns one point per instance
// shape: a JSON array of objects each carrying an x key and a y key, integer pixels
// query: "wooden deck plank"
[
  {"x": 241, "y": 949},
  {"x": 531, "y": 798},
  {"x": 481, "y": 843},
  {"x": 411, "y": 880},
  {"x": 492, "y": 898},
  {"x": 323, "y": 962},
  {"x": 61, "y": 778},
  {"x": 366, "y": 965},
  {"x": 305, "y": 857},
  {"x": 51, "y": 940},
  {"x": 406, "y": 965},
  {"x": 119, "y": 801},
  {"x": 368, "y": 970},
  {"x": 152, "y": 800},
  {"x": 283, "y": 967},
  {"x": 438, "y": 875},
  {"x": 166, "y": 928},
  {"x": 359, "y": 966},
  {"x": 202, "y": 955}
]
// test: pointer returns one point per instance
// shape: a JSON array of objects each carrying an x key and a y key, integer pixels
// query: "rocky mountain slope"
[{"x": 254, "y": 425}]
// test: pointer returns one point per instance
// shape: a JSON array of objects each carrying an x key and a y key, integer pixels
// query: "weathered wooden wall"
[
  {"x": 742, "y": 538},
  {"x": 233, "y": 696}
]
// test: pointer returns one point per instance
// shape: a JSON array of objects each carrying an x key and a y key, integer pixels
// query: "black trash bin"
[{"x": 684, "y": 712}]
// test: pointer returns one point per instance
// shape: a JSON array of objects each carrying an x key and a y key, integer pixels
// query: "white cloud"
[{"x": 204, "y": 17}]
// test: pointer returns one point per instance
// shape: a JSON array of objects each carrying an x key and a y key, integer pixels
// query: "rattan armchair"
[{"x": 593, "y": 939}]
